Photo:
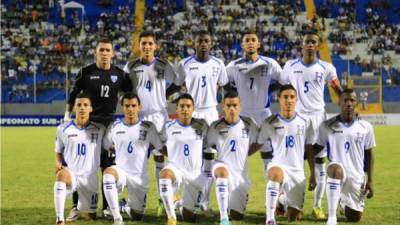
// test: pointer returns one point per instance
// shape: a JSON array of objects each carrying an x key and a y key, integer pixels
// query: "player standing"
[
  {"x": 290, "y": 136},
  {"x": 309, "y": 76},
  {"x": 232, "y": 137},
  {"x": 101, "y": 81},
  {"x": 202, "y": 74},
  {"x": 252, "y": 76},
  {"x": 150, "y": 76},
  {"x": 78, "y": 148},
  {"x": 131, "y": 138},
  {"x": 184, "y": 147},
  {"x": 350, "y": 142}
]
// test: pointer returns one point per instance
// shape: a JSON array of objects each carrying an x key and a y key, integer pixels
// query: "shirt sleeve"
[
  {"x": 155, "y": 138},
  {"x": 322, "y": 137},
  {"x": 180, "y": 76},
  {"x": 263, "y": 135},
  {"x": 370, "y": 138},
  {"x": 59, "y": 145},
  {"x": 331, "y": 73},
  {"x": 310, "y": 135},
  {"x": 77, "y": 87},
  {"x": 276, "y": 73},
  {"x": 107, "y": 140},
  {"x": 210, "y": 138},
  {"x": 170, "y": 73},
  {"x": 126, "y": 68},
  {"x": 223, "y": 76},
  {"x": 286, "y": 73}
]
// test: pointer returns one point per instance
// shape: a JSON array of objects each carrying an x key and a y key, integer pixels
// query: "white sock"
[
  {"x": 205, "y": 200},
  {"x": 320, "y": 176},
  {"x": 272, "y": 193},
  {"x": 60, "y": 194},
  {"x": 266, "y": 162},
  {"x": 332, "y": 195},
  {"x": 167, "y": 196},
  {"x": 222, "y": 194},
  {"x": 158, "y": 166},
  {"x": 111, "y": 193}
]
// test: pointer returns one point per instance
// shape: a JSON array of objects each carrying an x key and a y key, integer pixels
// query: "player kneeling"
[
  {"x": 349, "y": 142},
  {"x": 78, "y": 148},
  {"x": 231, "y": 136},
  {"x": 184, "y": 148},
  {"x": 291, "y": 138},
  {"x": 132, "y": 139}
]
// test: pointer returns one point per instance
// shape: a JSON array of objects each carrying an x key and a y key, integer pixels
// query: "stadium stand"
[{"x": 37, "y": 40}]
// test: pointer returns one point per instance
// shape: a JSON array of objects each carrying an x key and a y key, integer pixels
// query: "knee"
[
  {"x": 63, "y": 175},
  {"x": 167, "y": 174},
  {"x": 221, "y": 172},
  {"x": 319, "y": 160},
  {"x": 159, "y": 158},
  {"x": 335, "y": 171},
  {"x": 266, "y": 155},
  {"x": 352, "y": 215},
  {"x": 293, "y": 214},
  {"x": 136, "y": 216},
  {"x": 110, "y": 171},
  {"x": 235, "y": 215},
  {"x": 275, "y": 174}
]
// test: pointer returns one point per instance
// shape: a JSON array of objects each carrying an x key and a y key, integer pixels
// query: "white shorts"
[
  {"x": 352, "y": 191},
  {"x": 257, "y": 115},
  {"x": 157, "y": 118},
  {"x": 294, "y": 186},
  {"x": 191, "y": 183},
  {"x": 87, "y": 188},
  {"x": 208, "y": 114},
  {"x": 317, "y": 118},
  {"x": 137, "y": 189},
  {"x": 238, "y": 186}
]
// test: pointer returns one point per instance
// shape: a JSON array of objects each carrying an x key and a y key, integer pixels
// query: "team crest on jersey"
[
  {"x": 300, "y": 129},
  {"x": 215, "y": 71},
  {"x": 245, "y": 133},
  {"x": 142, "y": 135},
  {"x": 114, "y": 78},
  {"x": 318, "y": 77},
  {"x": 359, "y": 138},
  {"x": 94, "y": 137},
  {"x": 199, "y": 134}
]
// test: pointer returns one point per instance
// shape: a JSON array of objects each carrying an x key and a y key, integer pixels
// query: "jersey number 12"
[{"x": 104, "y": 91}]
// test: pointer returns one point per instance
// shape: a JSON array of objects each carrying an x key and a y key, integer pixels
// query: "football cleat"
[
  {"x": 331, "y": 221},
  {"x": 171, "y": 221},
  {"x": 107, "y": 214},
  {"x": 271, "y": 222},
  {"x": 118, "y": 222},
  {"x": 60, "y": 223},
  {"x": 318, "y": 213},
  {"x": 225, "y": 222},
  {"x": 73, "y": 215}
]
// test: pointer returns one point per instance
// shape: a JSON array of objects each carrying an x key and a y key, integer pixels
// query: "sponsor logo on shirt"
[
  {"x": 298, "y": 71},
  {"x": 114, "y": 78},
  {"x": 242, "y": 69},
  {"x": 278, "y": 128},
  {"x": 337, "y": 131},
  {"x": 176, "y": 132},
  {"x": 120, "y": 132},
  {"x": 138, "y": 71},
  {"x": 193, "y": 68},
  {"x": 94, "y": 77},
  {"x": 72, "y": 135}
]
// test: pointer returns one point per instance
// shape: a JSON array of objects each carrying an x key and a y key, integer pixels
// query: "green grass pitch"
[{"x": 27, "y": 178}]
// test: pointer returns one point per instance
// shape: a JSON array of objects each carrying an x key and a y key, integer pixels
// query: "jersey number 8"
[{"x": 186, "y": 150}]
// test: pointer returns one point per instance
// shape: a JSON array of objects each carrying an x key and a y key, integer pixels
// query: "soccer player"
[
  {"x": 290, "y": 136},
  {"x": 184, "y": 147},
  {"x": 131, "y": 138},
  {"x": 78, "y": 146},
  {"x": 252, "y": 75},
  {"x": 350, "y": 141},
  {"x": 232, "y": 137},
  {"x": 149, "y": 76},
  {"x": 101, "y": 81},
  {"x": 202, "y": 74},
  {"x": 309, "y": 76}
]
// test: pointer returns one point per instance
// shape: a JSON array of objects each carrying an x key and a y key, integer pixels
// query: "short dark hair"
[
  {"x": 250, "y": 31},
  {"x": 313, "y": 32},
  {"x": 286, "y": 87},
  {"x": 231, "y": 94},
  {"x": 147, "y": 33},
  {"x": 347, "y": 91},
  {"x": 129, "y": 95},
  {"x": 202, "y": 32},
  {"x": 104, "y": 39},
  {"x": 83, "y": 95},
  {"x": 184, "y": 96}
]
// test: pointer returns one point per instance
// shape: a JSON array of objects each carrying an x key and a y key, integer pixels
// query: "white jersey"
[
  {"x": 346, "y": 143},
  {"x": 201, "y": 79},
  {"x": 287, "y": 139},
  {"x": 151, "y": 84},
  {"x": 233, "y": 142},
  {"x": 309, "y": 81},
  {"x": 132, "y": 145},
  {"x": 185, "y": 144},
  {"x": 252, "y": 80},
  {"x": 80, "y": 148}
]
